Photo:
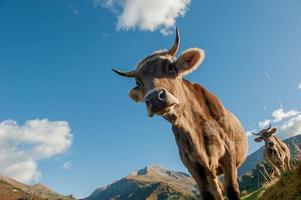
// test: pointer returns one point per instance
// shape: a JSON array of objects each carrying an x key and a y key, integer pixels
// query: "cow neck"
[{"x": 191, "y": 114}]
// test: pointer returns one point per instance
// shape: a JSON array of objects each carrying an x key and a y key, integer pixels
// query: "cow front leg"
[
  {"x": 231, "y": 183},
  {"x": 287, "y": 164},
  {"x": 215, "y": 188},
  {"x": 276, "y": 170},
  {"x": 198, "y": 174},
  {"x": 274, "y": 167},
  {"x": 272, "y": 174}
]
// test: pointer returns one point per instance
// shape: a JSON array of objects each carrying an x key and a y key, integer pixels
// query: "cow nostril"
[{"x": 161, "y": 95}]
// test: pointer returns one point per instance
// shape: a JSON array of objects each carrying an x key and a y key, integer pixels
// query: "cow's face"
[
  {"x": 266, "y": 135},
  {"x": 159, "y": 81}
]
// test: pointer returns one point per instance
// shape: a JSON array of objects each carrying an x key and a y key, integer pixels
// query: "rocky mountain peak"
[
  {"x": 152, "y": 169},
  {"x": 42, "y": 187}
]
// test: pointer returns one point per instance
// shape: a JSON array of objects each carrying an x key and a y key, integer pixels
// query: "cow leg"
[
  {"x": 276, "y": 170},
  {"x": 214, "y": 188},
  {"x": 231, "y": 186},
  {"x": 274, "y": 167},
  {"x": 272, "y": 174},
  {"x": 287, "y": 163},
  {"x": 231, "y": 183},
  {"x": 219, "y": 171},
  {"x": 282, "y": 168},
  {"x": 198, "y": 174}
]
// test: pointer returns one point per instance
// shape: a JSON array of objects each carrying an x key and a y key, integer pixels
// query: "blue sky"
[{"x": 55, "y": 64}]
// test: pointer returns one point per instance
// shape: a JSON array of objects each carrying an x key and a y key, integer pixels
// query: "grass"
[
  {"x": 287, "y": 187},
  {"x": 9, "y": 192},
  {"x": 252, "y": 196}
]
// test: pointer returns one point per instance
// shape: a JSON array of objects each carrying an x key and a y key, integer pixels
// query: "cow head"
[
  {"x": 265, "y": 135},
  {"x": 159, "y": 82}
]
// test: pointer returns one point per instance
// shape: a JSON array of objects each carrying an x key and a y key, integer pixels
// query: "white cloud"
[
  {"x": 21, "y": 168},
  {"x": 105, "y": 3},
  {"x": 264, "y": 123},
  {"x": 146, "y": 14},
  {"x": 22, "y": 146},
  {"x": 292, "y": 126},
  {"x": 67, "y": 165},
  {"x": 299, "y": 86},
  {"x": 165, "y": 31},
  {"x": 280, "y": 115},
  {"x": 288, "y": 122}
]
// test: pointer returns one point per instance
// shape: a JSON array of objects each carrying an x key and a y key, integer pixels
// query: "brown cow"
[
  {"x": 276, "y": 152},
  {"x": 210, "y": 139}
]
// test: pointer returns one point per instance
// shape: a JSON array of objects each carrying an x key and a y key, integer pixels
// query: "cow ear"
[
  {"x": 273, "y": 130},
  {"x": 258, "y": 139},
  {"x": 136, "y": 94},
  {"x": 189, "y": 60}
]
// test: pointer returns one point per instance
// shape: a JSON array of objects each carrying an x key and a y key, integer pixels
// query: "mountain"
[
  {"x": 42, "y": 187},
  {"x": 156, "y": 182},
  {"x": 11, "y": 189},
  {"x": 294, "y": 144},
  {"x": 152, "y": 182}
]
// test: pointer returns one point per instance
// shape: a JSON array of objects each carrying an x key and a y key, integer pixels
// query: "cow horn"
[
  {"x": 176, "y": 44},
  {"x": 268, "y": 128},
  {"x": 263, "y": 130},
  {"x": 126, "y": 74},
  {"x": 255, "y": 133}
]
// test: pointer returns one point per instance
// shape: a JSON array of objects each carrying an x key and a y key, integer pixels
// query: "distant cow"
[
  {"x": 210, "y": 139},
  {"x": 276, "y": 152}
]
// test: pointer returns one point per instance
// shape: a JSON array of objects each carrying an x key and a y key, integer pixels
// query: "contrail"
[
  {"x": 279, "y": 100},
  {"x": 275, "y": 91},
  {"x": 280, "y": 103}
]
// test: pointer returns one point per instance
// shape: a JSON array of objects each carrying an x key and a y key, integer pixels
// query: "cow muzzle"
[
  {"x": 270, "y": 144},
  {"x": 159, "y": 101}
]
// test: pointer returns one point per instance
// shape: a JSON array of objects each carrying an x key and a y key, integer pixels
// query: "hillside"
[
  {"x": 288, "y": 187},
  {"x": 252, "y": 173},
  {"x": 11, "y": 189},
  {"x": 153, "y": 182},
  {"x": 257, "y": 156}
]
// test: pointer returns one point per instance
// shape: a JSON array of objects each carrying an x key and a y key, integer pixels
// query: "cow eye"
[
  {"x": 170, "y": 67},
  {"x": 139, "y": 84}
]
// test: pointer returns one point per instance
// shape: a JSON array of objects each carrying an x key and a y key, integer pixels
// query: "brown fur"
[
  {"x": 278, "y": 154},
  {"x": 211, "y": 140}
]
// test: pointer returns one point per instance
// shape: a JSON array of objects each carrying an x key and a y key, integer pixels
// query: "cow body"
[
  {"x": 277, "y": 156},
  {"x": 275, "y": 152},
  {"x": 211, "y": 142},
  {"x": 210, "y": 139}
]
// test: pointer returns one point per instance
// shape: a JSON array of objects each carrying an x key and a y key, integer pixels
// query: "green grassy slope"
[
  {"x": 287, "y": 187},
  {"x": 10, "y": 192},
  {"x": 11, "y": 189}
]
